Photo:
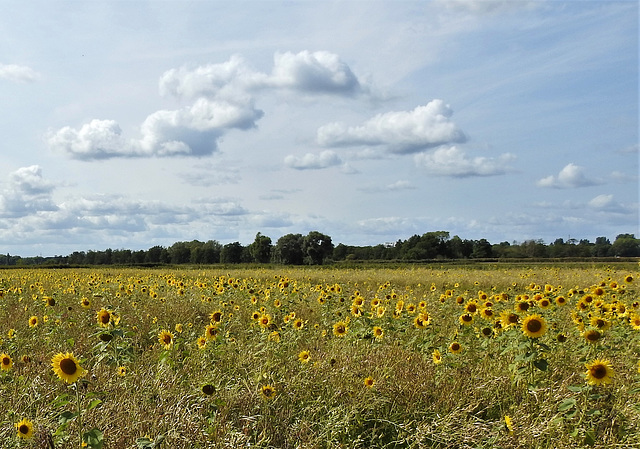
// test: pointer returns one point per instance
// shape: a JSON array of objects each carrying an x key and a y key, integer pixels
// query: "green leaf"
[
  {"x": 93, "y": 438},
  {"x": 590, "y": 437},
  {"x": 93, "y": 404},
  {"x": 576, "y": 388},
  {"x": 567, "y": 404},
  {"x": 541, "y": 364},
  {"x": 67, "y": 416}
]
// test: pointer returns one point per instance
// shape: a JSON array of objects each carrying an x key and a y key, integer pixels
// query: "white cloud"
[
  {"x": 18, "y": 73},
  {"x": 310, "y": 161},
  {"x": 306, "y": 72},
  {"x": 452, "y": 161},
  {"x": 571, "y": 176},
  {"x": 400, "y": 132},
  {"x": 27, "y": 193}
]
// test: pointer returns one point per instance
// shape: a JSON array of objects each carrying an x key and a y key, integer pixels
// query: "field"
[{"x": 478, "y": 356}]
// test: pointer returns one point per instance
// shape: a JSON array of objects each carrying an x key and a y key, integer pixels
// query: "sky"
[{"x": 131, "y": 124}]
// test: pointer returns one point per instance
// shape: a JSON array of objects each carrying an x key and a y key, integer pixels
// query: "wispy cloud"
[
  {"x": 454, "y": 162},
  {"x": 18, "y": 73}
]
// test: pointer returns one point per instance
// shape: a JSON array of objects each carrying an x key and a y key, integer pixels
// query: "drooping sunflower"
[
  {"x": 103, "y": 317},
  {"x": 369, "y": 382},
  {"x": 5, "y": 362},
  {"x": 599, "y": 372},
  {"x": 165, "y": 338},
  {"x": 67, "y": 367},
  {"x": 340, "y": 329},
  {"x": 304, "y": 356},
  {"x": 25, "y": 429},
  {"x": 268, "y": 392},
  {"x": 534, "y": 326},
  {"x": 211, "y": 332},
  {"x": 592, "y": 335},
  {"x": 436, "y": 356}
]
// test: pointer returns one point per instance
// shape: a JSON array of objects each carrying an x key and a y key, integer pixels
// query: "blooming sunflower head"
[
  {"x": 599, "y": 372},
  {"x": 437, "y": 357},
  {"x": 216, "y": 317},
  {"x": 592, "y": 335},
  {"x": 378, "y": 332},
  {"x": 103, "y": 317},
  {"x": 67, "y": 367},
  {"x": 166, "y": 339},
  {"x": 33, "y": 321},
  {"x": 304, "y": 356},
  {"x": 369, "y": 382},
  {"x": 455, "y": 347},
  {"x": 25, "y": 429},
  {"x": 534, "y": 326},
  {"x": 340, "y": 329},
  {"x": 5, "y": 362},
  {"x": 268, "y": 392},
  {"x": 211, "y": 332}
]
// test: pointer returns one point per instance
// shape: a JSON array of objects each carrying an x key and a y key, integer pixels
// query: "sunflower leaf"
[
  {"x": 541, "y": 364},
  {"x": 67, "y": 416}
]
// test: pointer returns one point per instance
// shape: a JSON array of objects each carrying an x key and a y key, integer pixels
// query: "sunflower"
[
  {"x": 471, "y": 307},
  {"x": 592, "y": 336},
  {"x": 508, "y": 424},
  {"x": 201, "y": 342},
  {"x": 304, "y": 356},
  {"x": 522, "y": 306},
  {"x": 599, "y": 372},
  {"x": 369, "y": 382},
  {"x": 103, "y": 317},
  {"x": 561, "y": 300},
  {"x": 264, "y": 320},
  {"x": 211, "y": 332},
  {"x": 67, "y": 367},
  {"x": 268, "y": 392},
  {"x": 122, "y": 371},
  {"x": 33, "y": 321},
  {"x": 49, "y": 301},
  {"x": 544, "y": 303},
  {"x": 634, "y": 320},
  {"x": 216, "y": 317},
  {"x": 5, "y": 362},
  {"x": 208, "y": 389},
  {"x": 340, "y": 329},
  {"x": 25, "y": 429},
  {"x": 600, "y": 323},
  {"x": 534, "y": 326},
  {"x": 509, "y": 319},
  {"x": 466, "y": 319},
  {"x": 166, "y": 339},
  {"x": 298, "y": 324},
  {"x": 437, "y": 357},
  {"x": 455, "y": 347},
  {"x": 487, "y": 313}
]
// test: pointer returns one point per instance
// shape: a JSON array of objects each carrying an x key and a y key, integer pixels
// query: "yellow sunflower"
[
  {"x": 455, "y": 347},
  {"x": 592, "y": 336},
  {"x": 25, "y": 429},
  {"x": 599, "y": 372},
  {"x": 268, "y": 392},
  {"x": 378, "y": 332},
  {"x": 122, "y": 371},
  {"x": 508, "y": 423},
  {"x": 166, "y": 339},
  {"x": 304, "y": 356},
  {"x": 211, "y": 332},
  {"x": 201, "y": 342},
  {"x": 466, "y": 319},
  {"x": 33, "y": 321},
  {"x": 5, "y": 362},
  {"x": 369, "y": 382},
  {"x": 437, "y": 357},
  {"x": 340, "y": 329},
  {"x": 103, "y": 318},
  {"x": 67, "y": 367},
  {"x": 216, "y": 317},
  {"x": 534, "y": 326}
]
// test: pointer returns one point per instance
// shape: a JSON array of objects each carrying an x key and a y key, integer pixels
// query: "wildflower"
[
  {"x": 274, "y": 336},
  {"x": 298, "y": 324},
  {"x": 436, "y": 356},
  {"x": 466, "y": 319},
  {"x": 304, "y": 356},
  {"x": 25, "y": 429},
  {"x": 201, "y": 342},
  {"x": 599, "y": 372},
  {"x": 268, "y": 392},
  {"x": 264, "y": 320},
  {"x": 122, "y": 371},
  {"x": 369, "y": 382},
  {"x": 5, "y": 362},
  {"x": 178, "y": 328},
  {"x": 166, "y": 339},
  {"x": 210, "y": 332},
  {"x": 216, "y": 317},
  {"x": 508, "y": 423},
  {"x": 67, "y": 367},
  {"x": 378, "y": 333},
  {"x": 33, "y": 321},
  {"x": 534, "y": 326}
]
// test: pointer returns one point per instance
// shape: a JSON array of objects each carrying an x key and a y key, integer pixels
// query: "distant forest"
[{"x": 317, "y": 248}]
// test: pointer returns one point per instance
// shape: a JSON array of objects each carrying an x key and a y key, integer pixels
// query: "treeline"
[{"x": 316, "y": 248}]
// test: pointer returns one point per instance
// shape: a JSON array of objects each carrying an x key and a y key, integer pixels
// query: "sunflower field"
[{"x": 459, "y": 356}]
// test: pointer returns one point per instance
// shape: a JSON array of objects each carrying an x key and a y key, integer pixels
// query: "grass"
[{"x": 141, "y": 392}]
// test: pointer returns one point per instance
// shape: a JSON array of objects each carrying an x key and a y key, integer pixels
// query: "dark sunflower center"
[
  {"x": 534, "y": 326},
  {"x": 208, "y": 389},
  {"x": 104, "y": 318},
  {"x": 340, "y": 329},
  {"x": 467, "y": 317},
  {"x": 23, "y": 429},
  {"x": 471, "y": 308},
  {"x": 217, "y": 317},
  {"x": 68, "y": 366},
  {"x": 166, "y": 339},
  {"x": 513, "y": 318},
  {"x": 593, "y": 336},
  {"x": 599, "y": 371},
  {"x": 6, "y": 360},
  {"x": 455, "y": 347}
]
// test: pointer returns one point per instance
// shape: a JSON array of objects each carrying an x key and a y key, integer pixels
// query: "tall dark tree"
[
  {"x": 316, "y": 247},
  {"x": 288, "y": 250},
  {"x": 260, "y": 249},
  {"x": 231, "y": 253}
]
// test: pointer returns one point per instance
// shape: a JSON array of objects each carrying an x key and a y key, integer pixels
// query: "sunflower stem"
[{"x": 79, "y": 411}]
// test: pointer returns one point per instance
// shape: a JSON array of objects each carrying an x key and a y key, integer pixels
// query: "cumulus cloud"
[
  {"x": 453, "y": 161},
  {"x": 27, "y": 192},
  {"x": 18, "y": 73},
  {"x": 400, "y": 132},
  {"x": 571, "y": 176},
  {"x": 310, "y": 161},
  {"x": 309, "y": 73},
  {"x": 190, "y": 131}
]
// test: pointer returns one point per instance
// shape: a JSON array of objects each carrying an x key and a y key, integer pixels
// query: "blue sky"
[{"x": 129, "y": 124}]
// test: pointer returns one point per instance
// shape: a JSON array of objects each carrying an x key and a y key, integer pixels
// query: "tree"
[
  {"x": 260, "y": 249},
  {"x": 626, "y": 245},
  {"x": 288, "y": 250},
  {"x": 316, "y": 247},
  {"x": 231, "y": 253}
]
